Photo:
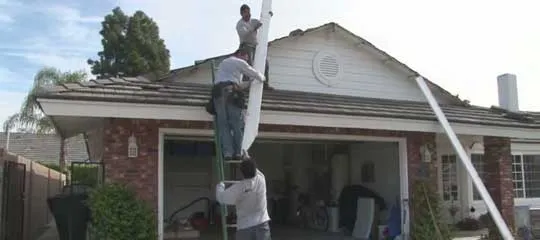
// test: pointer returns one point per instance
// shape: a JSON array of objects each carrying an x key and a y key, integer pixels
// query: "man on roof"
[{"x": 247, "y": 29}]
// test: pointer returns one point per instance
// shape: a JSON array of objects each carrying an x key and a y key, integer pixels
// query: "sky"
[{"x": 460, "y": 45}]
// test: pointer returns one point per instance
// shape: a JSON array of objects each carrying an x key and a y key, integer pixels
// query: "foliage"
[
  {"x": 469, "y": 224},
  {"x": 427, "y": 222},
  {"x": 485, "y": 219},
  {"x": 30, "y": 118},
  {"x": 131, "y": 47},
  {"x": 80, "y": 174},
  {"x": 118, "y": 214},
  {"x": 85, "y": 174}
]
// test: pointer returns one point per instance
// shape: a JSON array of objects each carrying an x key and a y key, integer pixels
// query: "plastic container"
[
  {"x": 71, "y": 215},
  {"x": 333, "y": 219}
]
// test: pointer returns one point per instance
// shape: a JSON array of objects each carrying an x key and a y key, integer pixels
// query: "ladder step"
[
  {"x": 231, "y": 181},
  {"x": 233, "y": 161},
  {"x": 231, "y": 225}
]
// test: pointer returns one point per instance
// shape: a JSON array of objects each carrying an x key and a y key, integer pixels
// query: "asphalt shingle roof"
[{"x": 140, "y": 90}]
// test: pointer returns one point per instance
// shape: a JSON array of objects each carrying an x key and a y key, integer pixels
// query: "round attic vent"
[{"x": 327, "y": 67}]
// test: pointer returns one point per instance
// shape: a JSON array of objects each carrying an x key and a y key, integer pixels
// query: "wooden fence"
[{"x": 40, "y": 183}]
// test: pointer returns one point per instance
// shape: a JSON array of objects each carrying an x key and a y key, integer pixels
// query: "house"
[
  {"x": 45, "y": 148},
  {"x": 340, "y": 106}
]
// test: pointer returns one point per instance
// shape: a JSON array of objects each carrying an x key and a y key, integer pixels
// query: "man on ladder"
[
  {"x": 228, "y": 100},
  {"x": 249, "y": 198}
]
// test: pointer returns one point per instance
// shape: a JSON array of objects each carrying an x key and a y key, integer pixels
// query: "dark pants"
[
  {"x": 251, "y": 59},
  {"x": 258, "y": 232}
]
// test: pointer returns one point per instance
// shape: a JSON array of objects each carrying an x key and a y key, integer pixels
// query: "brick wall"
[
  {"x": 498, "y": 177},
  {"x": 141, "y": 172}
]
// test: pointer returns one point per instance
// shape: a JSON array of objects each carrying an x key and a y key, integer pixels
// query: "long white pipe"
[
  {"x": 495, "y": 214},
  {"x": 253, "y": 112}
]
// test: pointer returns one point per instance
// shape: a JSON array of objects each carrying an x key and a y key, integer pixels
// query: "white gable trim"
[{"x": 172, "y": 112}]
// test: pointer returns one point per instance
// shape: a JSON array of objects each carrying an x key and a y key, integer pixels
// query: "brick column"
[
  {"x": 419, "y": 170},
  {"x": 140, "y": 173},
  {"x": 422, "y": 175},
  {"x": 498, "y": 179}
]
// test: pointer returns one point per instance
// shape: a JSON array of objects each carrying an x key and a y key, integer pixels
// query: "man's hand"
[
  {"x": 259, "y": 24},
  {"x": 221, "y": 185}
]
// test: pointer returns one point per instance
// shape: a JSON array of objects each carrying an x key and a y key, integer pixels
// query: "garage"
[{"x": 319, "y": 167}]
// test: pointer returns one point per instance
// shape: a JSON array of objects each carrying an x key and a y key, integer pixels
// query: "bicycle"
[{"x": 312, "y": 214}]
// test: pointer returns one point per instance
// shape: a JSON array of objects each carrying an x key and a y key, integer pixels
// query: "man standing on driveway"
[
  {"x": 247, "y": 29},
  {"x": 249, "y": 197},
  {"x": 229, "y": 101}
]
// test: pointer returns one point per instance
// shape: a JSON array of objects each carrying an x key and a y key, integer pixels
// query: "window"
[
  {"x": 517, "y": 176},
  {"x": 449, "y": 178},
  {"x": 531, "y": 172},
  {"x": 525, "y": 174},
  {"x": 478, "y": 163}
]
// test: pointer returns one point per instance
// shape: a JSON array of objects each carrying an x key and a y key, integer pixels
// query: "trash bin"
[{"x": 71, "y": 215}]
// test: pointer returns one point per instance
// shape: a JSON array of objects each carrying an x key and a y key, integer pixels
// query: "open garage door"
[{"x": 318, "y": 168}]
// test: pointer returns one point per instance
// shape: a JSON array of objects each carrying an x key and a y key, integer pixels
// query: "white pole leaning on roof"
[
  {"x": 253, "y": 113},
  {"x": 495, "y": 214}
]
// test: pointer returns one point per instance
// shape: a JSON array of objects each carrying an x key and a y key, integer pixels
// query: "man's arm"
[
  {"x": 256, "y": 24},
  {"x": 228, "y": 196},
  {"x": 250, "y": 71}
]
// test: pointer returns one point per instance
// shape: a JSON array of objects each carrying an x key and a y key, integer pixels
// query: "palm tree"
[
  {"x": 9, "y": 124},
  {"x": 30, "y": 116}
]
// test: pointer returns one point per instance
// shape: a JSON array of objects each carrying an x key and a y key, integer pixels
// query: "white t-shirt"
[
  {"x": 249, "y": 197},
  {"x": 245, "y": 31},
  {"x": 232, "y": 69}
]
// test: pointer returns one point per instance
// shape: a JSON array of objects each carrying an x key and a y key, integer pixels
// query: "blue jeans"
[
  {"x": 229, "y": 121},
  {"x": 259, "y": 232}
]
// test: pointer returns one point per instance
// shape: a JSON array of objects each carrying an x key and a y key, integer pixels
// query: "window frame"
[{"x": 455, "y": 180}]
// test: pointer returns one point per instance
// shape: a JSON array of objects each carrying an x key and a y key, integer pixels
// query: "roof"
[
  {"x": 334, "y": 26},
  {"x": 139, "y": 90},
  {"x": 45, "y": 148}
]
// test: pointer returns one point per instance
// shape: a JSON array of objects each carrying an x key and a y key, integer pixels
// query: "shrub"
[
  {"x": 469, "y": 224},
  {"x": 426, "y": 211},
  {"x": 117, "y": 214},
  {"x": 85, "y": 175}
]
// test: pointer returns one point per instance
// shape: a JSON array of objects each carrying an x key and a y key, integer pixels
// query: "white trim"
[
  {"x": 173, "y": 112},
  {"x": 402, "y": 143}
]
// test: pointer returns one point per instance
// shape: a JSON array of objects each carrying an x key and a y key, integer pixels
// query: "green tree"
[
  {"x": 131, "y": 47},
  {"x": 30, "y": 118}
]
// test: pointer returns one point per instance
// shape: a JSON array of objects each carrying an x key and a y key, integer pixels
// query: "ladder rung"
[
  {"x": 231, "y": 181},
  {"x": 233, "y": 161},
  {"x": 231, "y": 225}
]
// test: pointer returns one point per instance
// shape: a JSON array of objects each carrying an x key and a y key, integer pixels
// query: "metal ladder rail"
[
  {"x": 220, "y": 167},
  {"x": 465, "y": 160}
]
